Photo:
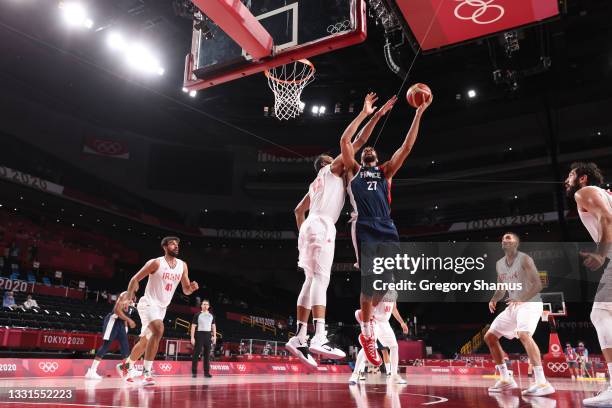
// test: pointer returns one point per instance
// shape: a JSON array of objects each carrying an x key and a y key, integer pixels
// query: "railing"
[
  {"x": 254, "y": 323},
  {"x": 475, "y": 343}
]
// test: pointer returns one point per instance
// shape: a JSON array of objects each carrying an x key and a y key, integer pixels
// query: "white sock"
[
  {"x": 94, "y": 365},
  {"x": 301, "y": 330},
  {"x": 319, "y": 326},
  {"x": 388, "y": 368},
  {"x": 360, "y": 362},
  {"x": 538, "y": 372},
  {"x": 366, "y": 329},
  {"x": 610, "y": 372},
  {"x": 503, "y": 371},
  {"x": 129, "y": 362},
  {"x": 147, "y": 366}
]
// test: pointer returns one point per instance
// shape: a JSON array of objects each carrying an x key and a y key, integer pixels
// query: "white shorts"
[
  {"x": 521, "y": 318},
  {"x": 149, "y": 313},
  {"x": 316, "y": 243},
  {"x": 603, "y": 297},
  {"x": 385, "y": 334}
]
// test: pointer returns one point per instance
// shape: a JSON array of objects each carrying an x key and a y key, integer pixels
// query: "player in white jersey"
[
  {"x": 317, "y": 235},
  {"x": 595, "y": 211},
  {"x": 520, "y": 318},
  {"x": 164, "y": 275},
  {"x": 386, "y": 336}
]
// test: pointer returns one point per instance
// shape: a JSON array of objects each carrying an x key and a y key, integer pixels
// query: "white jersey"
[
  {"x": 603, "y": 299},
  {"x": 162, "y": 283},
  {"x": 383, "y": 311},
  {"x": 326, "y": 194},
  {"x": 514, "y": 274}
]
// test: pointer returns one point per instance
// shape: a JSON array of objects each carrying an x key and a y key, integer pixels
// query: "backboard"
[
  {"x": 299, "y": 29},
  {"x": 554, "y": 302}
]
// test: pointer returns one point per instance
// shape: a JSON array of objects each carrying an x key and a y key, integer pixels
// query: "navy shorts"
[{"x": 374, "y": 237}]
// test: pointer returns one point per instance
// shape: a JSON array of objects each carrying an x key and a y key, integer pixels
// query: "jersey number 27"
[{"x": 372, "y": 185}]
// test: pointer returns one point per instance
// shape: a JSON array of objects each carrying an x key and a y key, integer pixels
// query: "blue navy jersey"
[{"x": 370, "y": 194}]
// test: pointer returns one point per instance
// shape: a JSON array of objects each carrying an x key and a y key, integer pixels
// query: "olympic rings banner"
[
  {"x": 439, "y": 23},
  {"x": 106, "y": 147},
  {"x": 48, "y": 367}
]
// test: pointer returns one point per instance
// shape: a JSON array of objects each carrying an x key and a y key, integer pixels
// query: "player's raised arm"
[
  {"x": 591, "y": 200},
  {"x": 188, "y": 287},
  {"x": 150, "y": 267},
  {"x": 399, "y": 157},
  {"x": 364, "y": 134},
  {"x": 346, "y": 146},
  {"x": 301, "y": 210}
]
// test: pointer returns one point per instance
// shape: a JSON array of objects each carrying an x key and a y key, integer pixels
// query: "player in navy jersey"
[{"x": 369, "y": 188}]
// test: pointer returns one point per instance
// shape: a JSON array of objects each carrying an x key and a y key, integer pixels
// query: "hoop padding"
[{"x": 287, "y": 83}]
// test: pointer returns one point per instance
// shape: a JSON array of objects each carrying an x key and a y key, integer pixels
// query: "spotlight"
[
  {"x": 75, "y": 15},
  {"x": 185, "y": 90},
  {"x": 141, "y": 58},
  {"x": 315, "y": 109},
  {"x": 322, "y": 110},
  {"x": 471, "y": 93},
  {"x": 302, "y": 106},
  {"x": 116, "y": 42},
  {"x": 193, "y": 93}
]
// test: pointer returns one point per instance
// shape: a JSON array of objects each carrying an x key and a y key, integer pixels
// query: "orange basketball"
[{"x": 417, "y": 94}]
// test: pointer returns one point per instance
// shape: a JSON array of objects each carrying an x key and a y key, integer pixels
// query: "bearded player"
[
  {"x": 595, "y": 211},
  {"x": 520, "y": 318},
  {"x": 164, "y": 275},
  {"x": 369, "y": 189},
  {"x": 317, "y": 235}
]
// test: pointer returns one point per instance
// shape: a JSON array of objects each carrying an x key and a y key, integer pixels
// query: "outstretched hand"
[
  {"x": 368, "y": 103},
  {"x": 426, "y": 102},
  {"x": 387, "y": 106}
]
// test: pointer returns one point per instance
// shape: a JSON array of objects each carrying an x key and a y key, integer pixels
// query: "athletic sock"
[
  {"x": 610, "y": 372},
  {"x": 301, "y": 331},
  {"x": 366, "y": 329},
  {"x": 129, "y": 362},
  {"x": 319, "y": 326},
  {"x": 538, "y": 372},
  {"x": 94, "y": 365},
  {"x": 503, "y": 371},
  {"x": 147, "y": 366},
  {"x": 388, "y": 368}
]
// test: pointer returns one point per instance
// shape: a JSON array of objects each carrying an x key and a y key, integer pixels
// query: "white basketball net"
[{"x": 287, "y": 82}]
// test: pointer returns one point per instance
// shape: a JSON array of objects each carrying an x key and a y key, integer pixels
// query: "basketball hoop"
[{"x": 287, "y": 83}]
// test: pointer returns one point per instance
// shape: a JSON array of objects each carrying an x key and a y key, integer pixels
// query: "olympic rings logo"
[
  {"x": 108, "y": 147},
  {"x": 481, "y": 8},
  {"x": 555, "y": 348},
  {"x": 48, "y": 367},
  {"x": 338, "y": 27},
  {"x": 241, "y": 367},
  {"x": 557, "y": 367},
  {"x": 165, "y": 367}
]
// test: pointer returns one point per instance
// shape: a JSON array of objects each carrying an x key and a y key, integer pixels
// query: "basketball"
[{"x": 417, "y": 93}]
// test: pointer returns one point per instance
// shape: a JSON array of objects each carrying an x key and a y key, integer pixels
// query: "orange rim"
[{"x": 295, "y": 81}]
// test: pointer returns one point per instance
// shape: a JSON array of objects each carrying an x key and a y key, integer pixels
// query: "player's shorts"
[
  {"x": 112, "y": 326},
  {"x": 374, "y": 237},
  {"x": 149, "y": 313},
  {"x": 522, "y": 318},
  {"x": 384, "y": 334},
  {"x": 316, "y": 243},
  {"x": 572, "y": 364}
]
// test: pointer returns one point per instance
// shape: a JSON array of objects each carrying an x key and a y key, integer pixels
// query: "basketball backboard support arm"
[
  {"x": 237, "y": 21},
  {"x": 302, "y": 51}
]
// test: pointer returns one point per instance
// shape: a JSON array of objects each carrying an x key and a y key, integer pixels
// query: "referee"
[{"x": 203, "y": 335}]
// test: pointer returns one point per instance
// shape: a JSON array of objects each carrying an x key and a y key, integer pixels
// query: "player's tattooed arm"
[
  {"x": 188, "y": 287},
  {"x": 592, "y": 201},
  {"x": 150, "y": 267},
  {"x": 301, "y": 210},
  {"x": 122, "y": 301},
  {"x": 399, "y": 157}
]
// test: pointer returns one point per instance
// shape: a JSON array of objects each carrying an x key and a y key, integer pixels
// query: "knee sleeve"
[
  {"x": 602, "y": 320},
  {"x": 318, "y": 289},
  {"x": 304, "y": 299}
]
